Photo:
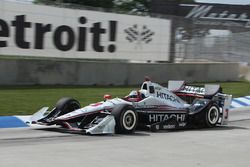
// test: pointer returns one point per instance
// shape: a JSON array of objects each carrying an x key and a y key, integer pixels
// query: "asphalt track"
[{"x": 227, "y": 146}]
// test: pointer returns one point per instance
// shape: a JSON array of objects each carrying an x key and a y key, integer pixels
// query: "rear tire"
[
  {"x": 212, "y": 116},
  {"x": 126, "y": 119},
  {"x": 66, "y": 105}
]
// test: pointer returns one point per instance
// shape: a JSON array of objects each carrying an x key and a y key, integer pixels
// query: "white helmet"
[{"x": 133, "y": 94}]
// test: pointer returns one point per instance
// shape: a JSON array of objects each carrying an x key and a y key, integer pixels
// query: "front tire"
[
  {"x": 66, "y": 105},
  {"x": 126, "y": 119}
]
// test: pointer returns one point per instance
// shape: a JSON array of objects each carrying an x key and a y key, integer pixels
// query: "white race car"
[{"x": 153, "y": 106}]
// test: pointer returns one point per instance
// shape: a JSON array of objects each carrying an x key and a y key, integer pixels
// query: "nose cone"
[{"x": 70, "y": 115}]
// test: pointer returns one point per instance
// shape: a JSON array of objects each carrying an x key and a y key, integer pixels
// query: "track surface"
[{"x": 227, "y": 146}]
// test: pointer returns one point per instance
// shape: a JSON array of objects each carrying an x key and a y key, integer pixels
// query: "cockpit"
[{"x": 137, "y": 95}]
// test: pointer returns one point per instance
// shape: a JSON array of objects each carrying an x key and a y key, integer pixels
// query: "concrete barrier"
[{"x": 69, "y": 72}]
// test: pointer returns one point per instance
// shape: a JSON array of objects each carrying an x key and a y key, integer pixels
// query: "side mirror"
[{"x": 106, "y": 97}]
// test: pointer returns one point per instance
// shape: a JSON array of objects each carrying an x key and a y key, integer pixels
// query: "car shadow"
[
  {"x": 144, "y": 132},
  {"x": 219, "y": 128},
  {"x": 67, "y": 131},
  {"x": 60, "y": 130}
]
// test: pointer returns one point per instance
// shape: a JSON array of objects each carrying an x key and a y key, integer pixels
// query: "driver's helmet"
[
  {"x": 133, "y": 94},
  {"x": 143, "y": 93}
]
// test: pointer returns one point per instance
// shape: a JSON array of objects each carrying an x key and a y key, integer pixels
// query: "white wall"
[{"x": 156, "y": 30}]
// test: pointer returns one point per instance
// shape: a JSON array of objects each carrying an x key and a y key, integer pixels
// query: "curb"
[
  {"x": 13, "y": 122},
  {"x": 240, "y": 102}
]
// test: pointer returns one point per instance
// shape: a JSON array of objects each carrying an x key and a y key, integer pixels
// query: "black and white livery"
[{"x": 153, "y": 107}]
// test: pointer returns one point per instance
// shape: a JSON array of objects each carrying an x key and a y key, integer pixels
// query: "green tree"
[
  {"x": 131, "y": 6},
  {"x": 94, "y": 3},
  {"x": 187, "y": 1},
  {"x": 124, "y": 5}
]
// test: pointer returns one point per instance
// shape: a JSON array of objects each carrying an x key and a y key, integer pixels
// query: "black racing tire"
[
  {"x": 212, "y": 115},
  {"x": 66, "y": 105},
  {"x": 126, "y": 119}
]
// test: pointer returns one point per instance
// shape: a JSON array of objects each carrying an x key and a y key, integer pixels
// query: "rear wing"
[
  {"x": 181, "y": 87},
  {"x": 211, "y": 91}
]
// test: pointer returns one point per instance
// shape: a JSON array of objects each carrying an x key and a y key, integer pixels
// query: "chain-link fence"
[{"x": 234, "y": 47}]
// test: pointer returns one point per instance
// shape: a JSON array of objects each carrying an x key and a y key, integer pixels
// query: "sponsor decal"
[
  {"x": 162, "y": 117},
  {"x": 191, "y": 89},
  {"x": 204, "y": 12},
  {"x": 139, "y": 35},
  {"x": 168, "y": 127},
  {"x": 73, "y": 38},
  {"x": 157, "y": 88},
  {"x": 167, "y": 97}
]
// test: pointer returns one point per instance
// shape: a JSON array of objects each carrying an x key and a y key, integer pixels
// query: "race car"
[{"x": 153, "y": 107}]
